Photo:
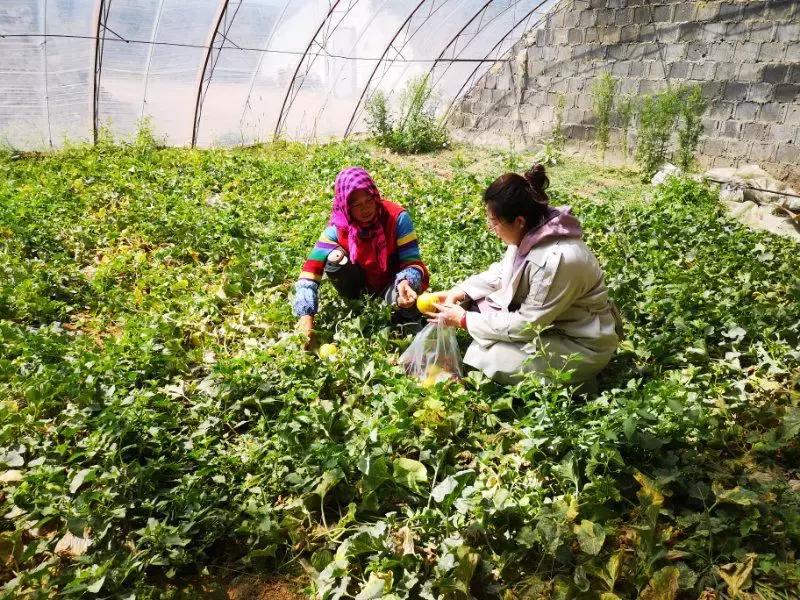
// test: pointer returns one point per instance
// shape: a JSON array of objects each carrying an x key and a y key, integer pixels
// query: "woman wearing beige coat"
[{"x": 544, "y": 305}]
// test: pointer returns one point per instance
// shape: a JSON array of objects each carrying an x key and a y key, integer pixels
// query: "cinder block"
[
  {"x": 736, "y": 30},
  {"x": 780, "y": 9},
  {"x": 616, "y": 53},
  {"x": 780, "y": 133},
  {"x": 703, "y": 71},
  {"x": 721, "y": 110},
  {"x": 674, "y": 52},
  {"x": 754, "y": 131},
  {"x": 788, "y": 153},
  {"x": 560, "y": 36},
  {"x": 746, "y": 52},
  {"x": 787, "y": 32},
  {"x": 738, "y": 148},
  {"x": 650, "y": 87},
  {"x": 761, "y": 31},
  {"x": 762, "y": 151},
  {"x": 771, "y": 52},
  {"x": 588, "y": 18},
  {"x": 591, "y": 35},
  {"x": 683, "y": 12},
  {"x": 662, "y": 14},
  {"x": 730, "y": 129},
  {"x": 623, "y": 16},
  {"x": 721, "y": 51},
  {"x": 713, "y": 146},
  {"x": 572, "y": 18},
  {"x": 629, "y": 86},
  {"x": 605, "y": 17},
  {"x": 735, "y": 91},
  {"x": 792, "y": 116},
  {"x": 725, "y": 71},
  {"x": 696, "y": 51},
  {"x": 629, "y": 33},
  {"x": 750, "y": 72},
  {"x": 772, "y": 112},
  {"x": 710, "y": 126},
  {"x": 760, "y": 92},
  {"x": 688, "y": 32},
  {"x": 730, "y": 11},
  {"x": 787, "y": 92},
  {"x": 575, "y": 35},
  {"x": 713, "y": 32},
  {"x": 774, "y": 73},
  {"x": 712, "y": 89},
  {"x": 707, "y": 11},
  {"x": 746, "y": 111},
  {"x": 793, "y": 50},
  {"x": 655, "y": 70},
  {"x": 647, "y": 33},
  {"x": 638, "y": 69},
  {"x": 642, "y": 15},
  {"x": 620, "y": 69},
  {"x": 610, "y": 35},
  {"x": 639, "y": 51},
  {"x": 668, "y": 33}
]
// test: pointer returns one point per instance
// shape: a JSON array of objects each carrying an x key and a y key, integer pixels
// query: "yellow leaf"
[
  {"x": 649, "y": 489},
  {"x": 663, "y": 585},
  {"x": 737, "y": 575}
]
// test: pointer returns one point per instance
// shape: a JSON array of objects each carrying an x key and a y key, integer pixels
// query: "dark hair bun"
[{"x": 536, "y": 177}]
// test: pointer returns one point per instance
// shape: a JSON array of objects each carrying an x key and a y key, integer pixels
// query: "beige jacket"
[{"x": 559, "y": 284}]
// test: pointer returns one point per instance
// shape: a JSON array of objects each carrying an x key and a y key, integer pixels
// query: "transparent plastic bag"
[{"x": 433, "y": 356}]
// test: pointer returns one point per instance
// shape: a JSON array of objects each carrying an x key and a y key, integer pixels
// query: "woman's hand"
[
  {"x": 406, "y": 296},
  {"x": 305, "y": 326},
  {"x": 453, "y": 296},
  {"x": 450, "y": 315}
]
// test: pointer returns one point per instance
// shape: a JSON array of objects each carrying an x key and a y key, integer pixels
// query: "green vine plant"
[
  {"x": 626, "y": 108},
  {"x": 676, "y": 109},
  {"x": 603, "y": 91},
  {"x": 692, "y": 108},
  {"x": 417, "y": 130},
  {"x": 656, "y": 123}
]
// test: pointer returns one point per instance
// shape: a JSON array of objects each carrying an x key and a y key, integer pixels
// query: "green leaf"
[
  {"x": 444, "y": 488},
  {"x": 96, "y": 586},
  {"x": 737, "y": 495},
  {"x": 12, "y": 459},
  {"x": 82, "y": 476},
  {"x": 328, "y": 480},
  {"x": 376, "y": 586},
  {"x": 409, "y": 472},
  {"x": 465, "y": 568},
  {"x": 580, "y": 579},
  {"x": 590, "y": 537}
]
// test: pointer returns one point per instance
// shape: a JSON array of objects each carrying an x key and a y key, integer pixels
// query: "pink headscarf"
[{"x": 348, "y": 181}]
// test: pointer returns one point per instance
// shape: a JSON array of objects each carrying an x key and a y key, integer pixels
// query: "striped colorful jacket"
[{"x": 407, "y": 261}]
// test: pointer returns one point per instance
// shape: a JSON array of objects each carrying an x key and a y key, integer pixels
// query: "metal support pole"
[
  {"x": 375, "y": 70},
  {"x": 279, "y": 123},
  {"x": 102, "y": 9},
  {"x": 223, "y": 6}
]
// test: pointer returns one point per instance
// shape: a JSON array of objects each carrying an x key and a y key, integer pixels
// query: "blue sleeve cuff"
[
  {"x": 306, "y": 298},
  {"x": 412, "y": 275}
]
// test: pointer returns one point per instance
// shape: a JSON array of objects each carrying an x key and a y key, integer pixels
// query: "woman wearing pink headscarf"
[{"x": 368, "y": 247}]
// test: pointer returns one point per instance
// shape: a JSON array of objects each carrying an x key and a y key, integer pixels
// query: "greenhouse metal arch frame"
[{"x": 218, "y": 39}]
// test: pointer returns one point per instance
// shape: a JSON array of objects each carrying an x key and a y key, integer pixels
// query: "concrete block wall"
[{"x": 745, "y": 54}]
